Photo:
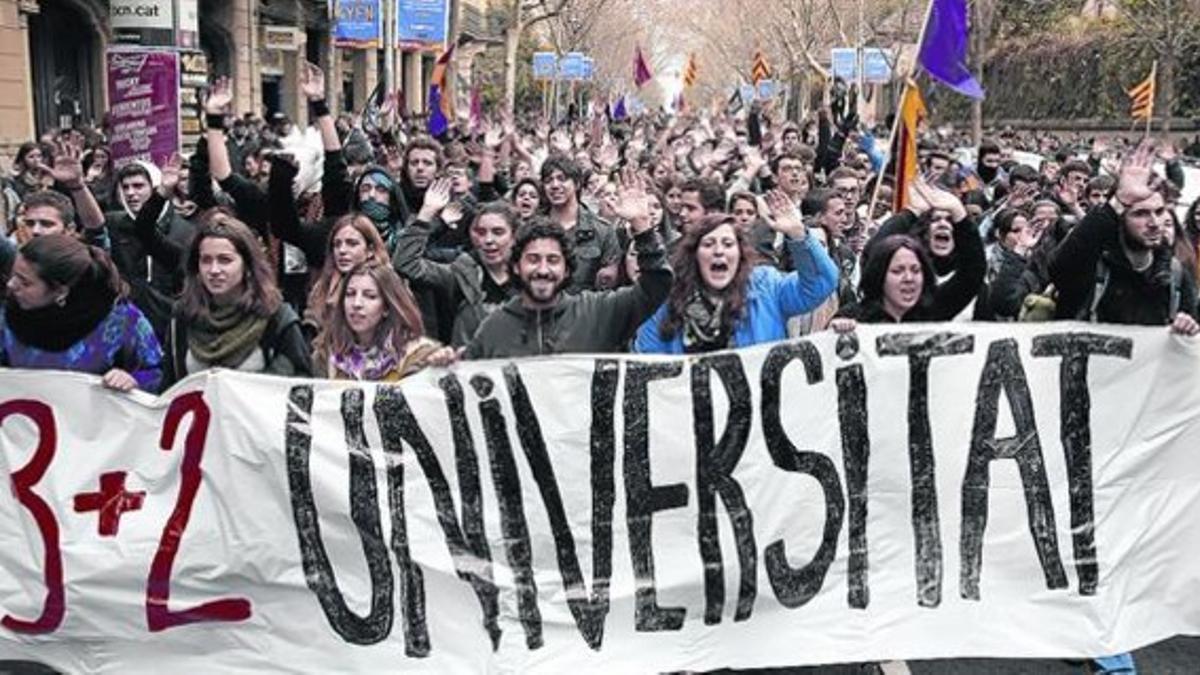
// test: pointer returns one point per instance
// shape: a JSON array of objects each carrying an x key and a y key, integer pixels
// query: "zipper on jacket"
[{"x": 541, "y": 342}]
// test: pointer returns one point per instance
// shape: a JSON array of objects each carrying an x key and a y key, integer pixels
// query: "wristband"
[
  {"x": 214, "y": 122},
  {"x": 318, "y": 108}
]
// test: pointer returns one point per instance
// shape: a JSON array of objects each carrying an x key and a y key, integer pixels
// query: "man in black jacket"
[
  {"x": 545, "y": 320},
  {"x": 1114, "y": 267}
]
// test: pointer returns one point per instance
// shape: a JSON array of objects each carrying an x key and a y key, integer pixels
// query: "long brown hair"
[
  {"x": 687, "y": 274},
  {"x": 401, "y": 320},
  {"x": 322, "y": 297},
  {"x": 260, "y": 295}
]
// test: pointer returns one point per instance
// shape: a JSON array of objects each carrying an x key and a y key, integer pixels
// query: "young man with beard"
[
  {"x": 595, "y": 249},
  {"x": 1114, "y": 267},
  {"x": 544, "y": 319},
  {"x": 478, "y": 280}
]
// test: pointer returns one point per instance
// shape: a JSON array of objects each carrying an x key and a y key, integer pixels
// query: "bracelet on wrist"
[
  {"x": 318, "y": 108},
  {"x": 214, "y": 122}
]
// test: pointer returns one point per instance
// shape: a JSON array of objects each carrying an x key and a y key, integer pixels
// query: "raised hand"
[
  {"x": 945, "y": 201},
  {"x": 171, "y": 175},
  {"x": 67, "y": 169},
  {"x": 312, "y": 82},
  {"x": 494, "y": 136},
  {"x": 437, "y": 196},
  {"x": 1135, "y": 182},
  {"x": 633, "y": 203},
  {"x": 561, "y": 142},
  {"x": 609, "y": 156},
  {"x": 220, "y": 97},
  {"x": 785, "y": 217}
]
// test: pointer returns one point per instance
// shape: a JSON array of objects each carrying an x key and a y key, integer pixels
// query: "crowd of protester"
[
  {"x": 362, "y": 248},
  {"x": 366, "y": 250}
]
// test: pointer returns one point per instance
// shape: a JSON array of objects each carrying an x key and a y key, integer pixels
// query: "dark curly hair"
[{"x": 541, "y": 227}]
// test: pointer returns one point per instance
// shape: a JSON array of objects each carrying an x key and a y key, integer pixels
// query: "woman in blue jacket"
[{"x": 722, "y": 300}]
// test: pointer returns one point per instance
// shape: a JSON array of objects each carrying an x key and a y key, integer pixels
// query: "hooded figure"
[{"x": 385, "y": 204}]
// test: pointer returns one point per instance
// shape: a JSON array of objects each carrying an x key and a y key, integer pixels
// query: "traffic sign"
[{"x": 545, "y": 64}]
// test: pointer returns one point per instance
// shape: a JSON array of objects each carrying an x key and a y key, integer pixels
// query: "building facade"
[{"x": 52, "y": 56}]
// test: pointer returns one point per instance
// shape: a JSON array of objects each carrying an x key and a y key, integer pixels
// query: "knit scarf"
[
  {"x": 227, "y": 337},
  {"x": 705, "y": 326},
  {"x": 54, "y": 328},
  {"x": 382, "y": 364}
]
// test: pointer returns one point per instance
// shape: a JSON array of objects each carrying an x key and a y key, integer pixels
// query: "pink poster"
[{"x": 143, "y": 105}]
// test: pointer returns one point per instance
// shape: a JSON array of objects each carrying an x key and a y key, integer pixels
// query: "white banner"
[
  {"x": 142, "y": 14},
  {"x": 918, "y": 492}
]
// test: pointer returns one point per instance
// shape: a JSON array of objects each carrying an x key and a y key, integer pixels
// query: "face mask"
[{"x": 378, "y": 213}]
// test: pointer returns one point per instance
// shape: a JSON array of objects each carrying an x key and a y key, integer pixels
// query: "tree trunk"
[
  {"x": 1166, "y": 80},
  {"x": 512, "y": 38}
]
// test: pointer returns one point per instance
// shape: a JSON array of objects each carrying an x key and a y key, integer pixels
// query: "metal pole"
[
  {"x": 887, "y": 157},
  {"x": 389, "y": 39}
]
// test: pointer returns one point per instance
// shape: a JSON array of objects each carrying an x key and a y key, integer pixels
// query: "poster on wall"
[
  {"x": 357, "y": 24},
  {"x": 143, "y": 95},
  {"x": 421, "y": 24}
]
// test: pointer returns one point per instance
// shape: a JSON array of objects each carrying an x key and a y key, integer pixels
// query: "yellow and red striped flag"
[
  {"x": 691, "y": 71},
  {"x": 912, "y": 114},
  {"x": 1141, "y": 97}
]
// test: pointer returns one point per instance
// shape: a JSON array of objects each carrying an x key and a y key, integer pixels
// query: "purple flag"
[
  {"x": 437, "y": 124},
  {"x": 641, "y": 69},
  {"x": 618, "y": 111},
  {"x": 944, "y": 49}
]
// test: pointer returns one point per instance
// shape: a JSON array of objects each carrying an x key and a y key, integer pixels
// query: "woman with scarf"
[
  {"x": 231, "y": 313},
  {"x": 352, "y": 241},
  {"x": 66, "y": 310},
  {"x": 722, "y": 300},
  {"x": 375, "y": 332}
]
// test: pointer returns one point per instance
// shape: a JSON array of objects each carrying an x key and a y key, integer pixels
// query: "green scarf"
[{"x": 226, "y": 338}]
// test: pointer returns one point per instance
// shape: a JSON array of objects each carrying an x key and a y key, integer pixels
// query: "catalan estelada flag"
[{"x": 1141, "y": 97}]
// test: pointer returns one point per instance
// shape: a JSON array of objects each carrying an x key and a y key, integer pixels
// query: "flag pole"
[
  {"x": 1153, "y": 95},
  {"x": 887, "y": 156}
]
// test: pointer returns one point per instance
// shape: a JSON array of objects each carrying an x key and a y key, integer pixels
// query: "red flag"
[{"x": 641, "y": 69}]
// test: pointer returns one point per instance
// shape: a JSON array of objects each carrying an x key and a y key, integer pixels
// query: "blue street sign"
[
  {"x": 421, "y": 23},
  {"x": 570, "y": 66},
  {"x": 766, "y": 89},
  {"x": 844, "y": 63},
  {"x": 877, "y": 68},
  {"x": 545, "y": 65},
  {"x": 589, "y": 68}
]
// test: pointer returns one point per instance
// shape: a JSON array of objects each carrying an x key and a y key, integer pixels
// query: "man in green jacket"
[{"x": 544, "y": 319}]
